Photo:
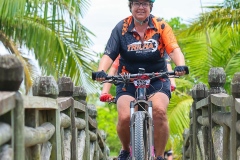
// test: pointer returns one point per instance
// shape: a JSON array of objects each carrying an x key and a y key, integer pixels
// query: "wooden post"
[
  {"x": 11, "y": 76},
  {"x": 65, "y": 86},
  {"x": 235, "y": 138},
  {"x": 92, "y": 111},
  {"x": 216, "y": 80},
  {"x": 46, "y": 87},
  {"x": 11, "y": 73},
  {"x": 79, "y": 94},
  {"x": 199, "y": 92},
  {"x": 18, "y": 128}
]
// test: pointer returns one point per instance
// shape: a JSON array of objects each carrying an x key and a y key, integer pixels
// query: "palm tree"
[
  {"x": 212, "y": 40},
  {"x": 52, "y": 30},
  {"x": 218, "y": 47}
]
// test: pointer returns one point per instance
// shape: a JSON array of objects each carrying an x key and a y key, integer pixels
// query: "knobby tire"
[{"x": 139, "y": 136}]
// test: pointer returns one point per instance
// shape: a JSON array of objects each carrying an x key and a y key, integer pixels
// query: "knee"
[
  {"x": 160, "y": 115},
  {"x": 124, "y": 120}
]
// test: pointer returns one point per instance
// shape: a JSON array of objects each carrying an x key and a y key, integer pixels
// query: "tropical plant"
[
  {"x": 107, "y": 119},
  {"x": 52, "y": 30},
  {"x": 213, "y": 41}
]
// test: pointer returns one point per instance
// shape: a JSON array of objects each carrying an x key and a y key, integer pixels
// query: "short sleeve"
[
  {"x": 113, "y": 45},
  {"x": 169, "y": 39}
]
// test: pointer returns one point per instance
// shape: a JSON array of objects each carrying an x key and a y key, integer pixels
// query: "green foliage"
[
  {"x": 178, "y": 114},
  {"x": 107, "y": 121},
  {"x": 176, "y": 23},
  {"x": 219, "y": 50},
  {"x": 52, "y": 30}
]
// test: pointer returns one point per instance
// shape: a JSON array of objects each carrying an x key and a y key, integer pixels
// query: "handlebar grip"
[
  {"x": 99, "y": 74},
  {"x": 186, "y": 69},
  {"x": 181, "y": 68},
  {"x": 94, "y": 75}
]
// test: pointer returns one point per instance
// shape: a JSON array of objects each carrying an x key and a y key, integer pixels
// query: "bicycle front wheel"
[{"x": 139, "y": 136}]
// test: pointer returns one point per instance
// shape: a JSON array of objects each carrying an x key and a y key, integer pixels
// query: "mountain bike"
[{"x": 141, "y": 120}]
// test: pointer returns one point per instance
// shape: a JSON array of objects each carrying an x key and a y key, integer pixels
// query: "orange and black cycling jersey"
[{"x": 136, "y": 53}]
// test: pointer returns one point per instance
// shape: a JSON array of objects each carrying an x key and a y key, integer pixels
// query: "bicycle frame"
[
  {"x": 141, "y": 120},
  {"x": 146, "y": 107}
]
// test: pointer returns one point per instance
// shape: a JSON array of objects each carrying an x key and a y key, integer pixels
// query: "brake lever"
[{"x": 113, "y": 100}]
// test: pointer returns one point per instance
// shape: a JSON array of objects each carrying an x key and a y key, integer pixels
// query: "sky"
[{"x": 103, "y": 15}]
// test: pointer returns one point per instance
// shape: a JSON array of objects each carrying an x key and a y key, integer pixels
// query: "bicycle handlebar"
[{"x": 169, "y": 74}]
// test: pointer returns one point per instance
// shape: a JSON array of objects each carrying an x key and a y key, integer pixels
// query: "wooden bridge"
[
  {"x": 55, "y": 123},
  {"x": 214, "y": 120}
]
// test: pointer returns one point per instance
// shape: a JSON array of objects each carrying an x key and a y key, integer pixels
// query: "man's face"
[{"x": 141, "y": 9}]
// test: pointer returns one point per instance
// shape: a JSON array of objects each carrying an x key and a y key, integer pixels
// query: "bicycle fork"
[{"x": 148, "y": 130}]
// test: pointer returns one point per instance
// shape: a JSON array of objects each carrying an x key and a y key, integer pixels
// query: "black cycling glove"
[
  {"x": 180, "y": 68},
  {"x": 100, "y": 74}
]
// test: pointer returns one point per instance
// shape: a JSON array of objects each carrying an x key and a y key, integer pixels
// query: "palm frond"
[
  {"x": 53, "y": 31},
  {"x": 219, "y": 17}
]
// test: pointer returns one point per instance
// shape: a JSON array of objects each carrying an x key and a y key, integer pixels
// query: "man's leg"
[
  {"x": 161, "y": 130},
  {"x": 123, "y": 129}
]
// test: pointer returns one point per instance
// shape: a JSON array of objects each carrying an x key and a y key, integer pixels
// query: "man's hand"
[
  {"x": 173, "y": 88},
  {"x": 181, "y": 70},
  {"x": 99, "y": 76},
  {"x": 105, "y": 97}
]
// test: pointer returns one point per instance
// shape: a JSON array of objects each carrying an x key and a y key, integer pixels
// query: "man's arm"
[
  {"x": 177, "y": 56},
  {"x": 107, "y": 86},
  {"x": 105, "y": 63}
]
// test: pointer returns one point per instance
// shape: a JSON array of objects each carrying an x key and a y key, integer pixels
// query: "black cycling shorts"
[{"x": 158, "y": 85}]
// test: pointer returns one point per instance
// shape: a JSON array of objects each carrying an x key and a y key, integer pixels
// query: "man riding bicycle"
[
  {"x": 107, "y": 97},
  {"x": 141, "y": 39}
]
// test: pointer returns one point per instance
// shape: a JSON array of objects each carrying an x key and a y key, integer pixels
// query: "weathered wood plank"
[
  {"x": 80, "y": 123},
  {"x": 238, "y": 126},
  {"x": 186, "y": 137},
  {"x": 65, "y": 120},
  {"x": 64, "y": 103},
  {"x": 37, "y": 102},
  {"x": 101, "y": 142},
  {"x": 222, "y": 118},
  {"x": 17, "y": 119},
  {"x": 221, "y": 99},
  {"x": 74, "y": 132},
  {"x": 38, "y": 135},
  {"x": 101, "y": 156},
  {"x": 237, "y": 105},
  {"x": 67, "y": 144},
  {"x": 7, "y": 102},
  {"x": 6, "y": 152},
  {"x": 202, "y": 103},
  {"x": 81, "y": 142},
  {"x": 92, "y": 123},
  {"x": 93, "y": 136},
  {"x": 46, "y": 150},
  {"x": 54, "y": 118},
  {"x": 203, "y": 120},
  {"x": 5, "y": 129},
  {"x": 80, "y": 107}
]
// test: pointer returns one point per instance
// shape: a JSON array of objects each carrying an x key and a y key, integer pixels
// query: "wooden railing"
[
  {"x": 55, "y": 123},
  {"x": 214, "y": 120}
]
